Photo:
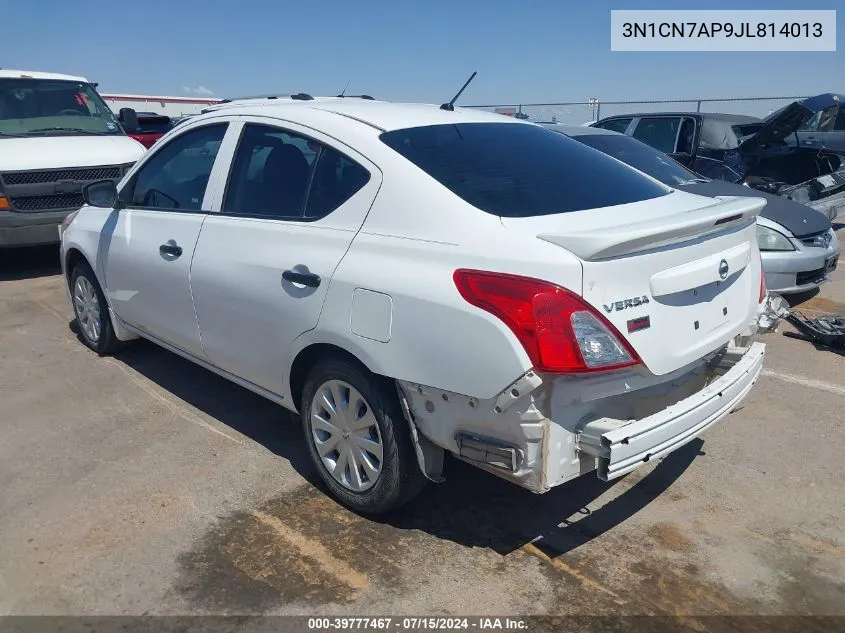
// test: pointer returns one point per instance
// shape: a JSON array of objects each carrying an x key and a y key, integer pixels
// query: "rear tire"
[
  {"x": 358, "y": 437},
  {"x": 91, "y": 310}
]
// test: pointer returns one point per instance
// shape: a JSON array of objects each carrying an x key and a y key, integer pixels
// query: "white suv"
[{"x": 413, "y": 280}]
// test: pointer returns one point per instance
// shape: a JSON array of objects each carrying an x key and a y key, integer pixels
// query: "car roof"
[
  {"x": 274, "y": 99},
  {"x": 382, "y": 115},
  {"x": 34, "y": 74},
  {"x": 713, "y": 116}
]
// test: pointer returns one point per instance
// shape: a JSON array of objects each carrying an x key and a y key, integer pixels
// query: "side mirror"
[
  {"x": 102, "y": 193},
  {"x": 129, "y": 119}
]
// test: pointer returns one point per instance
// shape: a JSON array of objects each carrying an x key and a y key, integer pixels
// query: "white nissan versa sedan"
[{"x": 414, "y": 280}]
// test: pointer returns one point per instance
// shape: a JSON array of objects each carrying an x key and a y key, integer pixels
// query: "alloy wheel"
[{"x": 87, "y": 308}]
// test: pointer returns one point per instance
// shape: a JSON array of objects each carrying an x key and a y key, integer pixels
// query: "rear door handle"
[
  {"x": 306, "y": 279},
  {"x": 170, "y": 248}
]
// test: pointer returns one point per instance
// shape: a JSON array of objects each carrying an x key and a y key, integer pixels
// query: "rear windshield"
[{"x": 520, "y": 170}]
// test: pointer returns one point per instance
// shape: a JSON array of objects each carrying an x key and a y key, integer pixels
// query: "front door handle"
[
  {"x": 171, "y": 248},
  {"x": 306, "y": 279}
]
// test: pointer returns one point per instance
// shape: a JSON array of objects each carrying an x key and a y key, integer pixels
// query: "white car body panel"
[
  {"x": 386, "y": 258},
  {"x": 239, "y": 258},
  {"x": 145, "y": 287}
]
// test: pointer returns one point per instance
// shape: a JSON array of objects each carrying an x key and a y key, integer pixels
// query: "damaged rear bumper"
[
  {"x": 620, "y": 446},
  {"x": 544, "y": 429}
]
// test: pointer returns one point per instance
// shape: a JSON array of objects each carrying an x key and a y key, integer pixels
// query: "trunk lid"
[{"x": 678, "y": 282}]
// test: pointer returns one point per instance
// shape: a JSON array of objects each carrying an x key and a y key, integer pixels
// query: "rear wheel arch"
[
  {"x": 308, "y": 357},
  {"x": 334, "y": 422}
]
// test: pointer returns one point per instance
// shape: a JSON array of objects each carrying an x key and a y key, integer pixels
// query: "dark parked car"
[
  {"x": 768, "y": 154},
  {"x": 151, "y": 127},
  {"x": 825, "y": 129}
]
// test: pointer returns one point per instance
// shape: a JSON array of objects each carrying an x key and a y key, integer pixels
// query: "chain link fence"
[{"x": 582, "y": 113}]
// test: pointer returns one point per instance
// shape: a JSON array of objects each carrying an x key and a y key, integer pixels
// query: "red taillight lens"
[
  {"x": 762, "y": 283},
  {"x": 558, "y": 329},
  {"x": 70, "y": 217}
]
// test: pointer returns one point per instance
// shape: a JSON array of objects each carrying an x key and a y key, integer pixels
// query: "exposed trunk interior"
[{"x": 797, "y": 167}]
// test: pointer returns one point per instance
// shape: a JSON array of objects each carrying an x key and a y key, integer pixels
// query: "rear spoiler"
[{"x": 625, "y": 239}]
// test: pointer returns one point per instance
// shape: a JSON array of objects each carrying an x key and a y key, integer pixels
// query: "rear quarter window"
[{"x": 520, "y": 170}]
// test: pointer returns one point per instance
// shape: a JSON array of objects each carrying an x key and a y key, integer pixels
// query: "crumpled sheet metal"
[{"x": 775, "y": 308}]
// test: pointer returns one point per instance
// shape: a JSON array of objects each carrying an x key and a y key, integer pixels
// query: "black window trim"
[
  {"x": 132, "y": 181},
  {"x": 680, "y": 117},
  {"x": 302, "y": 217},
  {"x": 611, "y": 119},
  {"x": 681, "y": 127}
]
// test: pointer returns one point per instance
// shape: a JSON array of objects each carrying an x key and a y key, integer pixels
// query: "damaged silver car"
[{"x": 774, "y": 154}]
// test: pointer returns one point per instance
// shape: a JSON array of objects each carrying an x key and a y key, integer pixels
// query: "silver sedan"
[{"x": 793, "y": 264}]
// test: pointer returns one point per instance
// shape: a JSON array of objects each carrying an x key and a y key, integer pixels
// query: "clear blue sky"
[{"x": 420, "y": 50}]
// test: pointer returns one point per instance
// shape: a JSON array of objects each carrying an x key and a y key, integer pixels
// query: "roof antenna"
[
  {"x": 451, "y": 105},
  {"x": 344, "y": 89}
]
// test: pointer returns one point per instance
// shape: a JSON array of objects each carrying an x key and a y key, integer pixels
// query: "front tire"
[
  {"x": 91, "y": 311},
  {"x": 358, "y": 437}
]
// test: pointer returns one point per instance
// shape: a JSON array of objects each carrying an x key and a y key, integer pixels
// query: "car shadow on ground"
[
  {"x": 476, "y": 509},
  {"x": 471, "y": 508},
  {"x": 263, "y": 421},
  {"x": 795, "y": 300},
  {"x": 29, "y": 263},
  {"x": 821, "y": 348}
]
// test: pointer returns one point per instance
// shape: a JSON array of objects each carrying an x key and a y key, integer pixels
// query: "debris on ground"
[{"x": 828, "y": 331}]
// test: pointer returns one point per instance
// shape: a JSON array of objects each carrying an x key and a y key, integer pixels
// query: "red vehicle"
[{"x": 150, "y": 127}]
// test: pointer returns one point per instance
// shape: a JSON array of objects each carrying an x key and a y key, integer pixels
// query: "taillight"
[
  {"x": 762, "y": 283},
  {"x": 558, "y": 329},
  {"x": 70, "y": 217}
]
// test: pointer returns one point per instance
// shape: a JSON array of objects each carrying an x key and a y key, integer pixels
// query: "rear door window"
[
  {"x": 659, "y": 132},
  {"x": 270, "y": 174},
  {"x": 336, "y": 179},
  {"x": 615, "y": 125},
  {"x": 520, "y": 170},
  {"x": 282, "y": 175}
]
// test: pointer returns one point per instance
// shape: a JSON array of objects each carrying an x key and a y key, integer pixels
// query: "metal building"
[{"x": 170, "y": 106}]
